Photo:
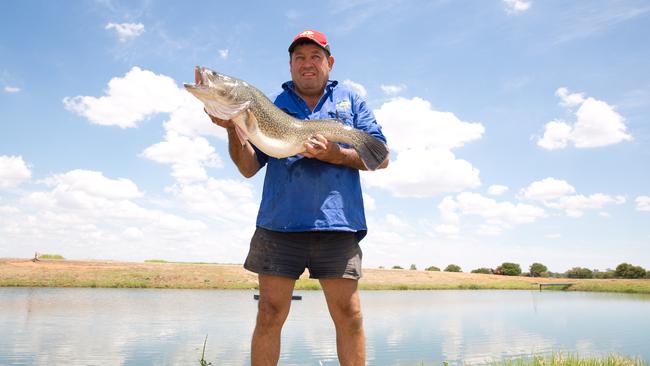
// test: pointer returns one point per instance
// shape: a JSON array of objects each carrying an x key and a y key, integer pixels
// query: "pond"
[{"x": 55, "y": 326}]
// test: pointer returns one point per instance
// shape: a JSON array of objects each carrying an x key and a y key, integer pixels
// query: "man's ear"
[{"x": 330, "y": 61}]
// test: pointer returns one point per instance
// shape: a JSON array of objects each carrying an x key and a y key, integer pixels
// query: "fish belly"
[{"x": 274, "y": 147}]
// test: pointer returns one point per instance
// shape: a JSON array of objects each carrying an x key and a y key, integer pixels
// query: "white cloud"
[
  {"x": 547, "y": 189},
  {"x": 85, "y": 213},
  {"x": 356, "y": 87},
  {"x": 188, "y": 156},
  {"x": 395, "y": 221},
  {"x": 569, "y": 99},
  {"x": 424, "y": 173},
  {"x": 574, "y": 206},
  {"x": 93, "y": 184},
  {"x": 223, "y": 54},
  {"x": 11, "y": 89},
  {"x": 558, "y": 194},
  {"x": 129, "y": 100},
  {"x": 190, "y": 120},
  {"x": 642, "y": 203},
  {"x": 412, "y": 123},
  {"x": 422, "y": 139},
  {"x": 126, "y": 31},
  {"x": 449, "y": 230},
  {"x": 392, "y": 89},
  {"x": 517, "y": 6},
  {"x": 225, "y": 200},
  {"x": 497, "y": 189},
  {"x": 13, "y": 171},
  {"x": 497, "y": 215},
  {"x": 597, "y": 124},
  {"x": 556, "y": 135},
  {"x": 369, "y": 202}
]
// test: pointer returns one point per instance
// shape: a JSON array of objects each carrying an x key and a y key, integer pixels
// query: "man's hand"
[
  {"x": 220, "y": 122},
  {"x": 320, "y": 148}
]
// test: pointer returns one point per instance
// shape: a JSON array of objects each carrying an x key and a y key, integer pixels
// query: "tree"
[
  {"x": 626, "y": 270},
  {"x": 604, "y": 274},
  {"x": 413, "y": 267},
  {"x": 482, "y": 270},
  {"x": 579, "y": 272},
  {"x": 508, "y": 269},
  {"x": 453, "y": 268},
  {"x": 433, "y": 268},
  {"x": 397, "y": 267},
  {"x": 536, "y": 269}
]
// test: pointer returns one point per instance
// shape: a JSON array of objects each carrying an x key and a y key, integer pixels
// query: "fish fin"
[
  {"x": 223, "y": 111},
  {"x": 371, "y": 150},
  {"x": 241, "y": 134}
]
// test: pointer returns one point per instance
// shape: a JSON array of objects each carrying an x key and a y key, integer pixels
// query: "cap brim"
[{"x": 293, "y": 44}]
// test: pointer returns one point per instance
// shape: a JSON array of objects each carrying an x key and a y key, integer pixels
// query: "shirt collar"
[{"x": 289, "y": 86}]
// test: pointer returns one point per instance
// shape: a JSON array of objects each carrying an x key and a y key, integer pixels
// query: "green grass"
[
  {"x": 636, "y": 287},
  {"x": 50, "y": 256},
  {"x": 568, "y": 359}
]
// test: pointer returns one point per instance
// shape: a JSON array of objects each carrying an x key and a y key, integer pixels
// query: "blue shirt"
[{"x": 306, "y": 194}]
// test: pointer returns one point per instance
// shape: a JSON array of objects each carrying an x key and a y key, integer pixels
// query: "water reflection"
[{"x": 167, "y": 327}]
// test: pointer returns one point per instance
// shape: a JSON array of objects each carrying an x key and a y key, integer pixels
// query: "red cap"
[{"x": 315, "y": 36}]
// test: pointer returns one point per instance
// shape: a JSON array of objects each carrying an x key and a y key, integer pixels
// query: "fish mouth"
[{"x": 198, "y": 76}]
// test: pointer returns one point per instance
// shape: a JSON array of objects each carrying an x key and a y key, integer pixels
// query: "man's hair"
[{"x": 304, "y": 41}]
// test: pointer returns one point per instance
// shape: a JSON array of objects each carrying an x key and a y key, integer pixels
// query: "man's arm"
[
  {"x": 243, "y": 156},
  {"x": 322, "y": 149}
]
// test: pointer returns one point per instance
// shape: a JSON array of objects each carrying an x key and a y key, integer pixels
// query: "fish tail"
[{"x": 371, "y": 150}]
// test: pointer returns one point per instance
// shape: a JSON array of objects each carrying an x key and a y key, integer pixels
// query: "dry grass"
[{"x": 70, "y": 273}]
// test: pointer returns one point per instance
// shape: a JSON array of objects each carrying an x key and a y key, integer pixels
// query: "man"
[{"x": 311, "y": 215}]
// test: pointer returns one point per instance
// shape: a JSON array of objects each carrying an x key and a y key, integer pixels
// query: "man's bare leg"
[
  {"x": 272, "y": 311},
  {"x": 345, "y": 308}
]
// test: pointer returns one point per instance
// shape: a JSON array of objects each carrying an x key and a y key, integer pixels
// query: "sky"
[{"x": 519, "y": 129}]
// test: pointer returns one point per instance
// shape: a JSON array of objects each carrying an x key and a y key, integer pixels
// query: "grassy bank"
[
  {"x": 563, "y": 359},
  {"x": 161, "y": 274}
]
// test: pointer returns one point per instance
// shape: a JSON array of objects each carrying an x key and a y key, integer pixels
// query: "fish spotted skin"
[{"x": 269, "y": 128}]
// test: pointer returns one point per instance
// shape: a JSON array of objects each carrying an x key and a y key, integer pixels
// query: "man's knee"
[
  {"x": 348, "y": 316},
  {"x": 271, "y": 314}
]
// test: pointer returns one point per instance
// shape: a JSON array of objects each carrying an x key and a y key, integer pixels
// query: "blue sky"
[{"x": 518, "y": 129}]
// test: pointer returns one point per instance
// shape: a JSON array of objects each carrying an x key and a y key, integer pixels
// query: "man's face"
[{"x": 310, "y": 69}]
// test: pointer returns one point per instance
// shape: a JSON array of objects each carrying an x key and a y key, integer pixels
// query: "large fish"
[{"x": 270, "y": 129}]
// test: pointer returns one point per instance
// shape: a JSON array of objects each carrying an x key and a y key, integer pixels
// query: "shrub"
[
  {"x": 536, "y": 269},
  {"x": 578, "y": 272},
  {"x": 626, "y": 270},
  {"x": 508, "y": 269},
  {"x": 453, "y": 268},
  {"x": 413, "y": 267},
  {"x": 397, "y": 267},
  {"x": 482, "y": 270},
  {"x": 604, "y": 274},
  {"x": 433, "y": 268}
]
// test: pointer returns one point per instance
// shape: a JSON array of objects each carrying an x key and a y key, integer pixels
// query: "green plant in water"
[
  {"x": 203, "y": 362},
  {"x": 568, "y": 359}
]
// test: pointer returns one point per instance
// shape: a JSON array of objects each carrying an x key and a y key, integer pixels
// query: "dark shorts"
[{"x": 327, "y": 254}]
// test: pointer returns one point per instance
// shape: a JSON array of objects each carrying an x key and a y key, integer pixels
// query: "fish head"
[{"x": 224, "y": 96}]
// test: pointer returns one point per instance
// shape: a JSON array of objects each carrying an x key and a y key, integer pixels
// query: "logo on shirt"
[{"x": 343, "y": 105}]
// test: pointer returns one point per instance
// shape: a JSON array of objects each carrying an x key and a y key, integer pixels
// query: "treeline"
[{"x": 623, "y": 270}]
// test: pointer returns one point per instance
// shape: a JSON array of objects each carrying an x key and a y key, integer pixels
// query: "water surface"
[{"x": 52, "y": 326}]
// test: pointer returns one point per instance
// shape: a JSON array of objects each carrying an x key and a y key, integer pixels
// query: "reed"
[{"x": 570, "y": 359}]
